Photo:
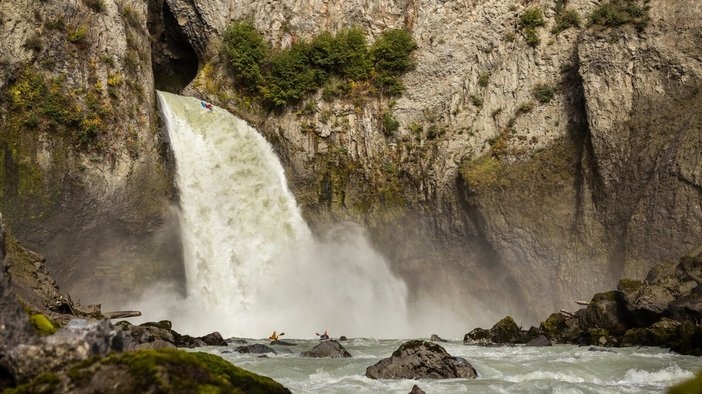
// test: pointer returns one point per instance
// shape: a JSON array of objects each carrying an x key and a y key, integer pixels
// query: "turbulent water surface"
[{"x": 518, "y": 369}]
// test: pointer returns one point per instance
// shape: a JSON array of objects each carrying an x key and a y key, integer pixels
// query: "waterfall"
[{"x": 252, "y": 264}]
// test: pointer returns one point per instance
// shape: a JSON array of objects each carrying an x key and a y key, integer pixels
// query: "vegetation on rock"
[
  {"x": 531, "y": 19},
  {"x": 621, "y": 12},
  {"x": 163, "y": 370},
  {"x": 340, "y": 63},
  {"x": 42, "y": 325}
]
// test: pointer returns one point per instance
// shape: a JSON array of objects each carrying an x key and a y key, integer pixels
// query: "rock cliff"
[
  {"x": 537, "y": 160},
  {"x": 83, "y": 174}
]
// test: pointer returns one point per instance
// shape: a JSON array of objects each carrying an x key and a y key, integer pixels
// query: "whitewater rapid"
[{"x": 251, "y": 262}]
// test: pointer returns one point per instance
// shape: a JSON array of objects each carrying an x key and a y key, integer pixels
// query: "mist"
[{"x": 252, "y": 264}]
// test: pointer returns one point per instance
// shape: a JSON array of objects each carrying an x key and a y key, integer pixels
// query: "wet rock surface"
[{"x": 419, "y": 359}]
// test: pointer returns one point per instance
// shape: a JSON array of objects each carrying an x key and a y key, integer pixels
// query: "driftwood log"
[{"x": 121, "y": 314}]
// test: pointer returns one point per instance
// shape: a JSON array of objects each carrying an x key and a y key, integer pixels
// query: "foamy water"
[{"x": 517, "y": 369}]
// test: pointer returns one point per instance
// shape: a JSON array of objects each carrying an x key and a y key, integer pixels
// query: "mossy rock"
[
  {"x": 629, "y": 286},
  {"x": 688, "y": 339},
  {"x": 42, "y": 325},
  {"x": 599, "y": 337},
  {"x": 155, "y": 371},
  {"x": 663, "y": 331},
  {"x": 553, "y": 325},
  {"x": 637, "y": 337},
  {"x": 691, "y": 386},
  {"x": 479, "y": 335},
  {"x": 505, "y": 331}
]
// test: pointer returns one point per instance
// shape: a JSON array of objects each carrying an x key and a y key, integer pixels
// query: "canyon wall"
[{"x": 489, "y": 199}]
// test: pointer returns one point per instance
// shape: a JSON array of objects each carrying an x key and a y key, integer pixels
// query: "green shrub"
[
  {"x": 390, "y": 124},
  {"x": 285, "y": 76},
  {"x": 621, "y": 12},
  {"x": 245, "y": 49},
  {"x": 484, "y": 78},
  {"x": 543, "y": 92},
  {"x": 290, "y": 77},
  {"x": 532, "y": 37},
  {"x": 532, "y": 18},
  {"x": 77, "y": 34},
  {"x": 476, "y": 100},
  {"x": 529, "y": 20},
  {"x": 33, "y": 43},
  {"x": 352, "y": 54},
  {"x": 565, "y": 20},
  {"x": 389, "y": 84},
  {"x": 391, "y": 52}
]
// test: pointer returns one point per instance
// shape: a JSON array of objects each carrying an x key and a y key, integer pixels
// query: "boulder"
[
  {"x": 77, "y": 341},
  {"x": 663, "y": 331},
  {"x": 214, "y": 339},
  {"x": 256, "y": 348},
  {"x": 478, "y": 336},
  {"x": 604, "y": 312},
  {"x": 137, "y": 335},
  {"x": 416, "y": 390},
  {"x": 688, "y": 339},
  {"x": 505, "y": 331},
  {"x": 541, "y": 340},
  {"x": 637, "y": 337},
  {"x": 328, "y": 348},
  {"x": 688, "y": 306},
  {"x": 283, "y": 343},
  {"x": 419, "y": 359},
  {"x": 436, "y": 338}
]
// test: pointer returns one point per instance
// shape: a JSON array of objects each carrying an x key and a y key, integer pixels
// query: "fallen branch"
[
  {"x": 582, "y": 303},
  {"x": 121, "y": 314},
  {"x": 567, "y": 314}
]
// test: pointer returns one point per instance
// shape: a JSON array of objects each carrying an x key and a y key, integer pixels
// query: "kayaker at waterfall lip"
[{"x": 206, "y": 105}]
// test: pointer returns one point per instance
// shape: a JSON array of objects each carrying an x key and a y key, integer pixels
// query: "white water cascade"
[{"x": 252, "y": 265}]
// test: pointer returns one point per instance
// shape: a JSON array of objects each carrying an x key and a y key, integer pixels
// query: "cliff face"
[
  {"x": 538, "y": 165},
  {"x": 519, "y": 171},
  {"x": 82, "y": 175}
]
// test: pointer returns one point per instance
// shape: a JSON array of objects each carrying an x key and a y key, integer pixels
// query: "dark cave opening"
[{"x": 174, "y": 61}]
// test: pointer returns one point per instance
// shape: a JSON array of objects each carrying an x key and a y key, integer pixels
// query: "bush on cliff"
[
  {"x": 284, "y": 76},
  {"x": 621, "y": 12}
]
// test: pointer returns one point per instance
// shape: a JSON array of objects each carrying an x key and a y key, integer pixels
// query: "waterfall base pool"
[{"x": 515, "y": 369}]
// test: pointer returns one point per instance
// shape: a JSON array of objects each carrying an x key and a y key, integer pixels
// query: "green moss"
[
  {"x": 629, "y": 285},
  {"x": 40, "y": 104},
  {"x": 544, "y": 173},
  {"x": 44, "y": 384},
  {"x": 690, "y": 386},
  {"x": 156, "y": 371},
  {"x": 42, "y": 325},
  {"x": 172, "y": 370},
  {"x": 607, "y": 296}
]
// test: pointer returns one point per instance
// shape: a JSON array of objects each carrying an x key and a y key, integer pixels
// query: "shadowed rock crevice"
[{"x": 174, "y": 61}]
